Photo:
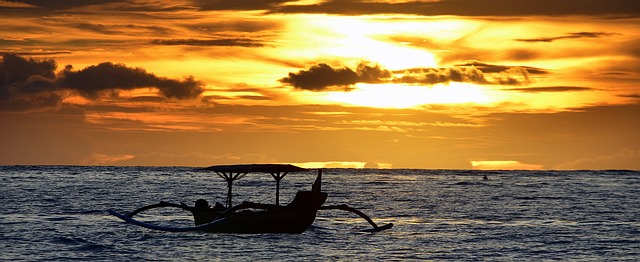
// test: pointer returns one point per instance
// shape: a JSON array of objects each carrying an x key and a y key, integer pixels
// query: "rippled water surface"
[{"x": 59, "y": 213}]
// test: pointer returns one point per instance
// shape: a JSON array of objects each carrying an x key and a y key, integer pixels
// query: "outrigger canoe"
[{"x": 249, "y": 217}]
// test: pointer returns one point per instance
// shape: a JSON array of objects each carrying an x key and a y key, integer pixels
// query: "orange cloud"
[{"x": 104, "y": 159}]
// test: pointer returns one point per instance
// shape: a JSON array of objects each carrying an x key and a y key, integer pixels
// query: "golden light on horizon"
[
  {"x": 407, "y": 96},
  {"x": 343, "y": 164},
  {"x": 331, "y": 164},
  {"x": 503, "y": 165}
]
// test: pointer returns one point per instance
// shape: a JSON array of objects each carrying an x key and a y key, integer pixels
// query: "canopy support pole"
[
  {"x": 230, "y": 177},
  {"x": 277, "y": 176}
]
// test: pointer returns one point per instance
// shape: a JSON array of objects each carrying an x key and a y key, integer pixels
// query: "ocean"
[{"x": 60, "y": 213}]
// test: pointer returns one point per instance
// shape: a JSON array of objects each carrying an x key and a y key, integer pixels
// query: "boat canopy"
[
  {"x": 231, "y": 173},
  {"x": 253, "y": 168}
]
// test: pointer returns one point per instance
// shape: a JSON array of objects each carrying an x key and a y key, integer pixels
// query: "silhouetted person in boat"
[
  {"x": 201, "y": 204},
  {"x": 485, "y": 177}
]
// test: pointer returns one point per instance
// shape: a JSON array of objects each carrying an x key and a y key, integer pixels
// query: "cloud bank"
[
  {"x": 323, "y": 77},
  {"x": 93, "y": 80},
  {"x": 29, "y": 84},
  {"x": 625, "y": 8},
  {"x": 610, "y": 8},
  {"x": 567, "y": 36},
  {"x": 210, "y": 42}
]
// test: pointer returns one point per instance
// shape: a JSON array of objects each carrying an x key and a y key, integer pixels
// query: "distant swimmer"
[{"x": 485, "y": 177}]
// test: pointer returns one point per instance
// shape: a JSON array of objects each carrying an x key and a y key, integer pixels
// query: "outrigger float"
[{"x": 249, "y": 217}]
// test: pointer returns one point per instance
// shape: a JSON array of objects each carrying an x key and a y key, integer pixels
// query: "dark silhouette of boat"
[{"x": 249, "y": 217}]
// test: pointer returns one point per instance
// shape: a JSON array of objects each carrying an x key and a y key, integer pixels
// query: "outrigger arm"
[
  {"x": 161, "y": 204},
  {"x": 344, "y": 207},
  {"x": 161, "y": 228}
]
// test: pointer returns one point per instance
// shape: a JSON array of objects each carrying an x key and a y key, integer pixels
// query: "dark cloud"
[
  {"x": 472, "y": 72},
  {"x": 239, "y": 4},
  {"x": 625, "y": 8},
  {"x": 443, "y": 75},
  {"x": 372, "y": 73},
  {"x": 322, "y": 76},
  {"x": 613, "y": 8},
  {"x": 17, "y": 69},
  {"x": 210, "y": 42},
  {"x": 29, "y": 84},
  {"x": 251, "y": 25},
  {"x": 93, "y": 80},
  {"x": 12, "y": 4},
  {"x": 41, "y": 53},
  {"x": 122, "y": 29},
  {"x": 44, "y": 8},
  {"x": 489, "y": 68},
  {"x": 633, "y": 96},
  {"x": 567, "y": 36},
  {"x": 66, "y": 4}
]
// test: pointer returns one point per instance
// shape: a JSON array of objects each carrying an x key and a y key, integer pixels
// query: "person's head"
[{"x": 202, "y": 204}]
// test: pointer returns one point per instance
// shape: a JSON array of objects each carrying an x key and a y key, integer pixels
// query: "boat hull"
[{"x": 294, "y": 218}]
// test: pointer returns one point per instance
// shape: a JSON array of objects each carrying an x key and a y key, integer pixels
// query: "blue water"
[{"x": 59, "y": 213}]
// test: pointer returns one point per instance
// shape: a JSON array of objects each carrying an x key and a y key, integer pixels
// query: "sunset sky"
[{"x": 453, "y": 84}]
